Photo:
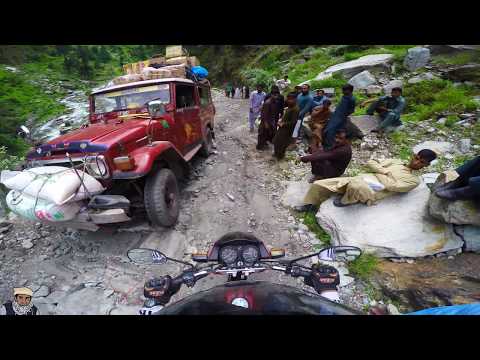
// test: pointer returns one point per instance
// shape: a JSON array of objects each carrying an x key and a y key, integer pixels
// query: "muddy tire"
[
  {"x": 161, "y": 198},
  {"x": 207, "y": 145}
]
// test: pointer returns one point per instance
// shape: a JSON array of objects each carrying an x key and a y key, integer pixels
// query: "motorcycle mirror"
[
  {"x": 276, "y": 253},
  {"x": 156, "y": 108},
  {"x": 147, "y": 257},
  {"x": 340, "y": 253}
]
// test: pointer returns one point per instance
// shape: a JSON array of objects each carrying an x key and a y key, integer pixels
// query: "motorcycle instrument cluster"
[{"x": 247, "y": 255}]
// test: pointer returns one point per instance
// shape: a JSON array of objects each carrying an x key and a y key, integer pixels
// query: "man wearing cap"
[{"x": 21, "y": 304}]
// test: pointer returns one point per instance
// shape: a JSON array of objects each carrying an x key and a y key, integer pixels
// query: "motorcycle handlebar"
[{"x": 190, "y": 278}]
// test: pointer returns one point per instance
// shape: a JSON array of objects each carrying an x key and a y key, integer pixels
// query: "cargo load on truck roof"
[{"x": 176, "y": 63}]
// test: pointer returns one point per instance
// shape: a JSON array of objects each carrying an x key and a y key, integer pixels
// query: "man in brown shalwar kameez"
[
  {"x": 330, "y": 163},
  {"x": 318, "y": 120},
  {"x": 272, "y": 111},
  {"x": 283, "y": 137},
  {"x": 267, "y": 127}
]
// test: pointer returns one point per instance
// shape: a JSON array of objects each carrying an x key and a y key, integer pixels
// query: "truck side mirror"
[{"x": 156, "y": 108}]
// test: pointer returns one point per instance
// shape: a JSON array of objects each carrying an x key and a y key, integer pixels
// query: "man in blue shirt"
[
  {"x": 305, "y": 104},
  {"x": 256, "y": 101},
  {"x": 338, "y": 119}
]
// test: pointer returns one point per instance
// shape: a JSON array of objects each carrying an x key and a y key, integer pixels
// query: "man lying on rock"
[
  {"x": 466, "y": 186},
  {"x": 386, "y": 178},
  {"x": 389, "y": 108},
  {"x": 330, "y": 163}
]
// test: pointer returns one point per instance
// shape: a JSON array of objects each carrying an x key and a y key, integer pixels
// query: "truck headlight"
[{"x": 97, "y": 166}]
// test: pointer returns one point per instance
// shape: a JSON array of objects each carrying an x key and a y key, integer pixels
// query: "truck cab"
[{"x": 138, "y": 142}]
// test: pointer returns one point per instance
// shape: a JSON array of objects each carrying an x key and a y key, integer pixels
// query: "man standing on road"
[
  {"x": 338, "y": 119},
  {"x": 283, "y": 138},
  {"x": 21, "y": 304},
  {"x": 267, "y": 127},
  {"x": 256, "y": 100},
  {"x": 279, "y": 102},
  {"x": 305, "y": 104}
]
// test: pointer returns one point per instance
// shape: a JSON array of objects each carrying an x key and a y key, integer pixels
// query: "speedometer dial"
[
  {"x": 250, "y": 255},
  {"x": 228, "y": 255}
]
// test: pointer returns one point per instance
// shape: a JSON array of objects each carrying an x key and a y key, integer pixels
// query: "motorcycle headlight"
[{"x": 97, "y": 167}]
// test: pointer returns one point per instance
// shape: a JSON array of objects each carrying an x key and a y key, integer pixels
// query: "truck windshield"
[{"x": 132, "y": 98}]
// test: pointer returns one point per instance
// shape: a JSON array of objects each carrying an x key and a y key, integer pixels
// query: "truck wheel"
[
  {"x": 161, "y": 198},
  {"x": 207, "y": 145}
]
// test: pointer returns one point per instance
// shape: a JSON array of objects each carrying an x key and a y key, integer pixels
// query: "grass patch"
[
  {"x": 398, "y": 52},
  {"x": 429, "y": 98},
  {"x": 310, "y": 221},
  {"x": 364, "y": 266}
]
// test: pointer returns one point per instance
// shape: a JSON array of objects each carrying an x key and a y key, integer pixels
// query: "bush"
[
  {"x": 430, "y": 98},
  {"x": 258, "y": 76},
  {"x": 7, "y": 162},
  {"x": 336, "y": 81}
]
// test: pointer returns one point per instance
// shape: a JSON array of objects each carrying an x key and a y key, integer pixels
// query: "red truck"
[{"x": 138, "y": 144}]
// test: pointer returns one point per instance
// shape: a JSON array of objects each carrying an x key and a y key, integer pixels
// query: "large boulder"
[
  {"x": 422, "y": 77},
  {"x": 373, "y": 90},
  {"x": 416, "y": 58},
  {"x": 366, "y": 123},
  {"x": 471, "y": 235},
  {"x": 398, "y": 226},
  {"x": 362, "y": 80},
  {"x": 469, "y": 72},
  {"x": 452, "y": 49},
  {"x": 440, "y": 147},
  {"x": 453, "y": 212},
  {"x": 352, "y": 68}
]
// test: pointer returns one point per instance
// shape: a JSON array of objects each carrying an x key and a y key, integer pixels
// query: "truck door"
[
  {"x": 187, "y": 116},
  {"x": 207, "y": 110}
]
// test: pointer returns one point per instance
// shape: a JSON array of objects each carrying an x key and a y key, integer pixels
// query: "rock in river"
[{"x": 398, "y": 226}]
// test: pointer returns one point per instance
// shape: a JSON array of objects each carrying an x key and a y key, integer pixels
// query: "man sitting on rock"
[
  {"x": 385, "y": 179},
  {"x": 389, "y": 108},
  {"x": 330, "y": 163},
  {"x": 466, "y": 186}
]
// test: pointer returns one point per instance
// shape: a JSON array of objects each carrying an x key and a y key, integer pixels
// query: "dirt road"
[{"x": 89, "y": 273}]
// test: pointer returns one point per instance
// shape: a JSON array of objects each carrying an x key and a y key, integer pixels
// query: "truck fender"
[{"x": 149, "y": 157}]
